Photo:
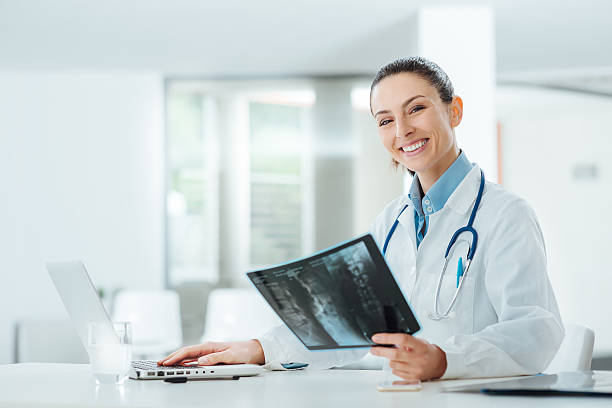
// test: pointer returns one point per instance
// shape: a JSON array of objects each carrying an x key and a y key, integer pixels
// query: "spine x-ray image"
[{"x": 338, "y": 298}]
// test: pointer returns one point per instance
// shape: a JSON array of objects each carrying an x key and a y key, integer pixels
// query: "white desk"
[{"x": 71, "y": 385}]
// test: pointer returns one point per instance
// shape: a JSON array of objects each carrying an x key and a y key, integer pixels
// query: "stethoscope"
[{"x": 461, "y": 270}]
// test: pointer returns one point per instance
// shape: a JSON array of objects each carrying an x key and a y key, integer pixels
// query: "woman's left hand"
[{"x": 411, "y": 358}]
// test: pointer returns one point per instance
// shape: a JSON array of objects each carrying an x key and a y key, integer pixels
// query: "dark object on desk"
[
  {"x": 294, "y": 366},
  {"x": 545, "y": 393},
  {"x": 337, "y": 298},
  {"x": 180, "y": 380},
  {"x": 176, "y": 380}
]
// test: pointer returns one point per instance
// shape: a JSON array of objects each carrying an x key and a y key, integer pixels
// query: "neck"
[{"x": 428, "y": 177}]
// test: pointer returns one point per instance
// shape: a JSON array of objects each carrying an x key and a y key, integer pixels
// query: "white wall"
[
  {"x": 462, "y": 41},
  {"x": 81, "y": 177},
  {"x": 376, "y": 181},
  {"x": 546, "y": 135},
  {"x": 234, "y": 190},
  {"x": 333, "y": 144}
]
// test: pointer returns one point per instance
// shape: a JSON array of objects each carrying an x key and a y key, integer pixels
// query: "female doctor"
[{"x": 481, "y": 294}]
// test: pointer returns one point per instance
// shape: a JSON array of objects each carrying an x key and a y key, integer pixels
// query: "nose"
[{"x": 403, "y": 128}]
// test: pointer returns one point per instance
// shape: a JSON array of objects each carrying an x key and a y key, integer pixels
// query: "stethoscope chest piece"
[{"x": 460, "y": 247}]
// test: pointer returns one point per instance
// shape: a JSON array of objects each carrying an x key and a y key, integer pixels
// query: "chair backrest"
[
  {"x": 237, "y": 314},
  {"x": 48, "y": 341},
  {"x": 156, "y": 320},
  {"x": 576, "y": 350}
]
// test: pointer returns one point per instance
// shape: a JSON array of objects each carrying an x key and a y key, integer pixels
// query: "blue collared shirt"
[{"x": 437, "y": 195}]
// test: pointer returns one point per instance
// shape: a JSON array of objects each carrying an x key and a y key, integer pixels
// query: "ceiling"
[{"x": 280, "y": 37}]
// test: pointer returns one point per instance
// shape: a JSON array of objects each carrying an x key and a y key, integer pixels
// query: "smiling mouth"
[{"x": 414, "y": 146}]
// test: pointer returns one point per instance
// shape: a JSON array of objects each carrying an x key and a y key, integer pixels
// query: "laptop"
[{"x": 81, "y": 300}]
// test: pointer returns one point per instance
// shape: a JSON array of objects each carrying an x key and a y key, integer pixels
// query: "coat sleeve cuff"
[
  {"x": 455, "y": 365},
  {"x": 268, "y": 348},
  {"x": 272, "y": 358}
]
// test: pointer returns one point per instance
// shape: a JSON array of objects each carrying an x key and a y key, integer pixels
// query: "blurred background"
[{"x": 174, "y": 145}]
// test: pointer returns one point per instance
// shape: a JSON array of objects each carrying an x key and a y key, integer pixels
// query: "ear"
[{"x": 456, "y": 111}]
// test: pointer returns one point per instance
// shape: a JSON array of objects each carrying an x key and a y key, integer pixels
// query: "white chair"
[
  {"x": 237, "y": 314},
  {"x": 576, "y": 350},
  {"x": 156, "y": 321},
  {"x": 48, "y": 341}
]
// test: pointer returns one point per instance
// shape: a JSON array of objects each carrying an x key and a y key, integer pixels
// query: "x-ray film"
[{"x": 337, "y": 298}]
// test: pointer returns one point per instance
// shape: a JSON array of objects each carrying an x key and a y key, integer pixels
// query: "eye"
[
  {"x": 384, "y": 122},
  {"x": 416, "y": 108}
]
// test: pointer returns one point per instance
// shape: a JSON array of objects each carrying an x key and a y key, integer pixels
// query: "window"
[
  {"x": 261, "y": 189},
  {"x": 278, "y": 146},
  {"x": 191, "y": 192}
]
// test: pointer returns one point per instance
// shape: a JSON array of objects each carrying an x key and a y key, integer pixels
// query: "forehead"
[{"x": 395, "y": 89}]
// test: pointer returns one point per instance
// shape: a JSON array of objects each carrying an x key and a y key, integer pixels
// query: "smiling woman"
[
  {"x": 421, "y": 105},
  {"x": 469, "y": 254}
]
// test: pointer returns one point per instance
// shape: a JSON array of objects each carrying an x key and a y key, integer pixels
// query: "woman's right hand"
[{"x": 210, "y": 353}]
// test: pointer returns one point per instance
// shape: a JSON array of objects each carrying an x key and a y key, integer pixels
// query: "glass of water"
[{"x": 110, "y": 351}]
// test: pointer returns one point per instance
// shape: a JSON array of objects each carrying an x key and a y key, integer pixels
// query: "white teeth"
[{"x": 415, "y": 146}]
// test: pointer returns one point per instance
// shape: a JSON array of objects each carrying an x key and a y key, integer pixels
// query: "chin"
[{"x": 413, "y": 167}]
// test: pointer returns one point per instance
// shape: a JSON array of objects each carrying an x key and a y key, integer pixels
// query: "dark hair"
[
  {"x": 422, "y": 67},
  {"x": 426, "y": 69}
]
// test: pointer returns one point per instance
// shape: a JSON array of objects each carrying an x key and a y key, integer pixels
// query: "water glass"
[{"x": 110, "y": 351}]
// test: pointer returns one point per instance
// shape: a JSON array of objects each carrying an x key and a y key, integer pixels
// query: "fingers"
[
  {"x": 180, "y": 355},
  {"x": 187, "y": 362},
  {"x": 216, "y": 358},
  {"x": 161, "y": 362},
  {"x": 390, "y": 353},
  {"x": 191, "y": 353},
  {"x": 425, "y": 362},
  {"x": 398, "y": 339},
  {"x": 413, "y": 374},
  {"x": 407, "y": 366},
  {"x": 413, "y": 357}
]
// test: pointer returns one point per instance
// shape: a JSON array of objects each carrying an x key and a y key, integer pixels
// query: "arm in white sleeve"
[
  {"x": 280, "y": 345},
  {"x": 529, "y": 330}
]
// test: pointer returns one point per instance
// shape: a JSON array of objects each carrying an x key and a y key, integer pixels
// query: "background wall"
[
  {"x": 375, "y": 180},
  {"x": 81, "y": 177},
  {"x": 556, "y": 154}
]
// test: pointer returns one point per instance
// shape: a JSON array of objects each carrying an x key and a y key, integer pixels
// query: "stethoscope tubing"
[{"x": 470, "y": 256}]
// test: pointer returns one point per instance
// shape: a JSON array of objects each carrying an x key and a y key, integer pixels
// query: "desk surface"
[{"x": 71, "y": 385}]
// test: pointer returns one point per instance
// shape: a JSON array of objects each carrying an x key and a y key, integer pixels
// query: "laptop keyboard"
[{"x": 151, "y": 365}]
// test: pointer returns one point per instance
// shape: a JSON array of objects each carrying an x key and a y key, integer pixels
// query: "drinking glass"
[{"x": 110, "y": 351}]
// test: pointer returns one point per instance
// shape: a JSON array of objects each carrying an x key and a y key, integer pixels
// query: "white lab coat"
[{"x": 505, "y": 321}]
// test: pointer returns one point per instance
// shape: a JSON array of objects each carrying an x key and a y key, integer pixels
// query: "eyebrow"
[{"x": 403, "y": 104}]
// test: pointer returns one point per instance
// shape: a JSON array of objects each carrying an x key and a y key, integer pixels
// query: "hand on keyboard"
[{"x": 210, "y": 353}]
